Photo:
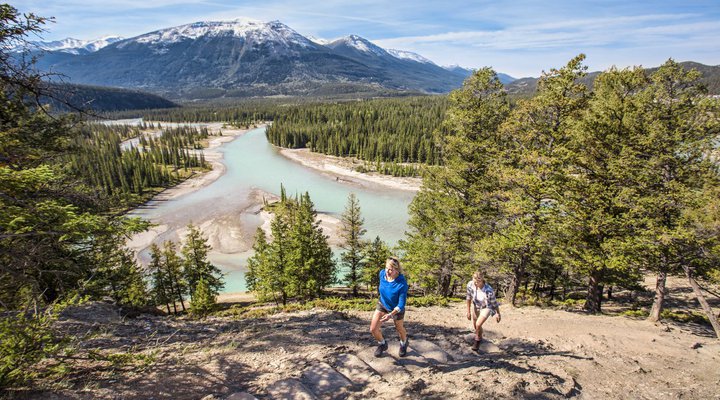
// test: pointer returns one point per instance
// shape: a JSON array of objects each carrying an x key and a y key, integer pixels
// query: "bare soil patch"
[{"x": 533, "y": 353}]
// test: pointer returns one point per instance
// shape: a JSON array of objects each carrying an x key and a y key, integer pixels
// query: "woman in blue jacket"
[{"x": 391, "y": 305}]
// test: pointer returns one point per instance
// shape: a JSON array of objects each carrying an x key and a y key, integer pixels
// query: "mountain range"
[{"x": 244, "y": 58}]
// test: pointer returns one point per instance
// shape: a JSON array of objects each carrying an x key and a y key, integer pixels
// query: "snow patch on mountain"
[
  {"x": 409, "y": 55},
  {"x": 360, "y": 44},
  {"x": 258, "y": 31},
  {"x": 76, "y": 46},
  {"x": 322, "y": 42}
]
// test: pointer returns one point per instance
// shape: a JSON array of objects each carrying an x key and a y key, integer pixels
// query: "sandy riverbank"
[
  {"x": 224, "y": 232},
  {"x": 343, "y": 169},
  {"x": 212, "y": 156},
  {"x": 230, "y": 232}
]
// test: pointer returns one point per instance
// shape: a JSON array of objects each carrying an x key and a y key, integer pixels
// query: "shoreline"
[
  {"x": 342, "y": 169},
  {"x": 140, "y": 242},
  {"x": 212, "y": 156},
  {"x": 229, "y": 238}
]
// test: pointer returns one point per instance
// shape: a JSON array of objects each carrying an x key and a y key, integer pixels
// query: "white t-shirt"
[{"x": 477, "y": 295}]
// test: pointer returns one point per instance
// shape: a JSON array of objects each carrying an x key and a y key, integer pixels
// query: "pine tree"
[
  {"x": 450, "y": 211},
  {"x": 375, "y": 254},
  {"x": 204, "y": 301},
  {"x": 196, "y": 266},
  {"x": 540, "y": 129},
  {"x": 351, "y": 233},
  {"x": 596, "y": 225},
  {"x": 681, "y": 126},
  {"x": 161, "y": 286}
]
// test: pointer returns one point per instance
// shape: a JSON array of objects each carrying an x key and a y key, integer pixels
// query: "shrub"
[
  {"x": 25, "y": 340},
  {"x": 685, "y": 316},
  {"x": 635, "y": 313}
]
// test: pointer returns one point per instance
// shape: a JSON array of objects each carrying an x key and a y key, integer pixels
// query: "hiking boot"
[
  {"x": 403, "y": 347},
  {"x": 476, "y": 345},
  {"x": 380, "y": 349}
]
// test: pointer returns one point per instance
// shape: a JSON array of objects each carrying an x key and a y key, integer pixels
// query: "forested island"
[{"x": 569, "y": 201}]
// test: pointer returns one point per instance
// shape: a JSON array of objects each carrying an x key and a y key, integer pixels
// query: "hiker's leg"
[
  {"x": 482, "y": 316},
  {"x": 375, "y": 325},
  {"x": 400, "y": 327}
]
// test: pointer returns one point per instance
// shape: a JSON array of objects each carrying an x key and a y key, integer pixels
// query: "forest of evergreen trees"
[
  {"x": 573, "y": 187},
  {"x": 386, "y": 130},
  {"x": 392, "y": 135},
  {"x": 62, "y": 240},
  {"x": 127, "y": 175}
]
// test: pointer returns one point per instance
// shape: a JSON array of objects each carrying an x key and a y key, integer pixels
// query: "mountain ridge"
[{"x": 249, "y": 57}]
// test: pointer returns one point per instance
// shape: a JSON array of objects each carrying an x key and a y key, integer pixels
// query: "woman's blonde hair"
[
  {"x": 394, "y": 262},
  {"x": 478, "y": 276}
]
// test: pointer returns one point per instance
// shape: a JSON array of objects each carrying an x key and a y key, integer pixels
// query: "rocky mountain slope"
[{"x": 250, "y": 57}]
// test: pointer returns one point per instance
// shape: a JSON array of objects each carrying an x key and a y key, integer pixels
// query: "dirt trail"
[{"x": 532, "y": 353}]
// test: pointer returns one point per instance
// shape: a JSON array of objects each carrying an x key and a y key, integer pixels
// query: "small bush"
[
  {"x": 635, "y": 314},
  {"x": 685, "y": 316},
  {"x": 428, "y": 301},
  {"x": 569, "y": 304}
]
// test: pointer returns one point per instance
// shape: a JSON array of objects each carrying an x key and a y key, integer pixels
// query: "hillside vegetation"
[
  {"x": 67, "y": 97},
  {"x": 570, "y": 198}
]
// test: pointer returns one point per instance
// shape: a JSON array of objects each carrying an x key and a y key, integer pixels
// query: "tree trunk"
[
  {"x": 703, "y": 303},
  {"x": 518, "y": 273},
  {"x": 657, "y": 306},
  {"x": 445, "y": 278},
  {"x": 592, "y": 300},
  {"x": 610, "y": 292},
  {"x": 525, "y": 289}
]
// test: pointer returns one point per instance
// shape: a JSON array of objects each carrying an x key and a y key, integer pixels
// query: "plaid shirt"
[{"x": 490, "y": 300}]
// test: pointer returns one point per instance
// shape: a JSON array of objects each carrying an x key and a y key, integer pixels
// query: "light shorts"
[{"x": 478, "y": 310}]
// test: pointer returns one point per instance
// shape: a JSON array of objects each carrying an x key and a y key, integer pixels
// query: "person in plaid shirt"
[{"x": 482, "y": 297}]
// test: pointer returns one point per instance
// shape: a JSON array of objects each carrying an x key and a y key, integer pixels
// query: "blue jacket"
[{"x": 393, "y": 294}]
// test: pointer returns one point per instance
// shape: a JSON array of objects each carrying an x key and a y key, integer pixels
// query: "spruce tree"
[
  {"x": 375, "y": 255},
  {"x": 172, "y": 265},
  {"x": 681, "y": 128},
  {"x": 453, "y": 206},
  {"x": 161, "y": 286},
  {"x": 204, "y": 301},
  {"x": 196, "y": 266},
  {"x": 351, "y": 233}
]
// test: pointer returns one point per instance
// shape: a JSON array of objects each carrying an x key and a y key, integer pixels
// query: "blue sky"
[{"x": 520, "y": 38}]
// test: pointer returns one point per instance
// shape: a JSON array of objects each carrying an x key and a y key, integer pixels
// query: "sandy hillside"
[{"x": 533, "y": 353}]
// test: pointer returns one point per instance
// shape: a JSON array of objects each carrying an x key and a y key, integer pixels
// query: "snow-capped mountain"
[
  {"x": 409, "y": 55},
  {"x": 248, "y": 57},
  {"x": 247, "y": 29},
  {"x": 358, "y": 43},
  {"x": 318, "y": 40},
  {"x": 76, "y": 46}
]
